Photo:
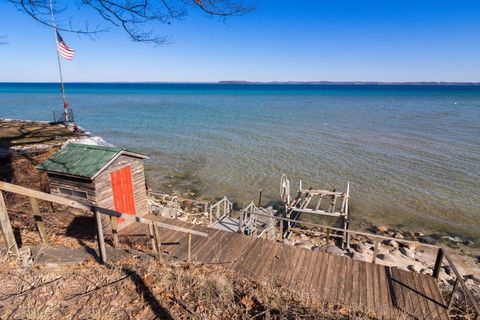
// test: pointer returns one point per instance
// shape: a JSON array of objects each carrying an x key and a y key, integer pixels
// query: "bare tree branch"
[{"x": 134, "y": 16}]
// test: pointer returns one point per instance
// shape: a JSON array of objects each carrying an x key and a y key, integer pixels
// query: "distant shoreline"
[{"x": 246, "y": 82}]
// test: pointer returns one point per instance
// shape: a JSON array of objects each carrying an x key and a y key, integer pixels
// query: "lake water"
[{"x": 411, "y": 153}]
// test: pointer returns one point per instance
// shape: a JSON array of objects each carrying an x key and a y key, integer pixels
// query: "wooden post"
[
  {"x": 375, "y": 251},
  {"x": 158, "y": 243},
  {"x": 152, "y": 237},
  {"x": 113, "y": 221},
  {"x": 37, "y": 217},
  {"x": 189, "y": 247},
  {"x": 260, "y": 197},
  {"x": 438, "y": 263},
  {"x": 240, "y": 223},
  {"x": 452, "y": 297},
  {"x": 211, "y": 215},
  {"x": 6, "y": 227},
  {"x": 328, "y": 237},
  {"x": 100, "y": 239}
]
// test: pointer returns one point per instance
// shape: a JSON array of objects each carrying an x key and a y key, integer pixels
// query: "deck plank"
[{"x": 337, "y": 280}]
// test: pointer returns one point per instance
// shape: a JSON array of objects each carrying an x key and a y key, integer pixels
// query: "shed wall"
[
  {"x": 103, "y": 187},
  {"x": 56, "y": 182}
]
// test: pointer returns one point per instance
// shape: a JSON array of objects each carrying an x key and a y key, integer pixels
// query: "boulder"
[
  {"x": 395, "y": 253},
  {"x": 427, "y": 271},
  {"x": 388, "y": 257},
  {"x": 399, "y": 236},
  {"x": 408, "y": 252},
  {"x": 428, "y": 240},
  {"x": 331, "y": 249},
  {"x": 414, "y": 268},
  {"x": 361, "y": 257},
  {"x": 306, "y": 245},
  {"x": 381, "y": 229},
  {"x": 361, "y": 247},
  {"x": 391, "y": 243}
]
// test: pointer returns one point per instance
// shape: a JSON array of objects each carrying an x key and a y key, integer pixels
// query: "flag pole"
[{"x": 65, "y": 103}]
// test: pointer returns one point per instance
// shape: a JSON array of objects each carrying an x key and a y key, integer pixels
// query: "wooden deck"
[{"x": 335, "y": 279}]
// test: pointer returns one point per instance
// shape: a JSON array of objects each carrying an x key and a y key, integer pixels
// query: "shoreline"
[{"x": 390, "y": 253}]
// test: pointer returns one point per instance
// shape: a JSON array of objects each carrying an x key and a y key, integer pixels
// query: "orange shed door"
[{"x": 122, "y": 189}]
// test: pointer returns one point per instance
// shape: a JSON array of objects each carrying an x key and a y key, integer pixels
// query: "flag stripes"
[{"x": 63, "y": 49}]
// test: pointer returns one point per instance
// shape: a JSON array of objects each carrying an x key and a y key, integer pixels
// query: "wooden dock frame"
[{"x": 294, "y": 207}]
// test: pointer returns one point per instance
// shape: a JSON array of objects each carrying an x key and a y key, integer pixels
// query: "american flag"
[{"x": 64, "y": 50}]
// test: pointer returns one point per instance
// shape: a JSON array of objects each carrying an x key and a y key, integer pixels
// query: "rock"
[
  {"x": 391, "y": 233},
  {"x": 361, "y": 257},
  {"x": 427, "y": 271},
  {"x": 448, "y": 270},
  {"x": 413, "y": 268},
  {"x": 428, "y": 240},
  {"x": 453, "y": 239},
  {"x": 468, "y": 242},
  {"x": 395, "y": 253},
  {"x": 419, "y": 234},
  {"x": 303, "y": 236},
  {"x": 381, "y": 229},
  {"x": 306, "y": 245},
  {"x": 289, "y": 242},
  {"x": 399, "y": 236},
  {"x": 407, "y": 252},
  {"x": 387, "y": 257},
  {"x": 331, "y": 249},
  {"x": 391, "y": 243},
  {"x": 361, "y": 247}
]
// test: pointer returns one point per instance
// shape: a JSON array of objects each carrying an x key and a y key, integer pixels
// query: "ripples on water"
[{"x": 412, "y": 153}]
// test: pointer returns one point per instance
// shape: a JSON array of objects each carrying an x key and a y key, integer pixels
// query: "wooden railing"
[
  {"x": 458, "y": 285},
  {"x": 441, "y": 254},
  {"x": 220, "y": 209},
  {"x": 35, "y": 195}
]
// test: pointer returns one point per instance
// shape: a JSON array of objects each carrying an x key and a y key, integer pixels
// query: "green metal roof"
[{"x": 82, "y": 160}]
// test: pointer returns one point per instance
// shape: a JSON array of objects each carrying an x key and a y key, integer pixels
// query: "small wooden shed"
[{"x": 108, "y": 177}]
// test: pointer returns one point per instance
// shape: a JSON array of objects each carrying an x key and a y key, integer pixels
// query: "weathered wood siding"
[
  {"x": 56, "y": 181},
  {"x": 103, "y": 186}
]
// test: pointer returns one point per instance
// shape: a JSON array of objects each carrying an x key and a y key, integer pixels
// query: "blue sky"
[{"x": 309, "y": 40}]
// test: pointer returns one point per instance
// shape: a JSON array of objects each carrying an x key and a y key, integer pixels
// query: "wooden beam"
[
  {"x": 361, "y": 233},
  {"x": 189, "y": 247},
  {"x": 37, "y": 217},
  {"x": 322, "y": 192},
  {"x": 6, "y": 227},
  {"x": 77, "y": 205},
  {"x": 100, "y": 238},
  {"x": 43, "y": 196}
]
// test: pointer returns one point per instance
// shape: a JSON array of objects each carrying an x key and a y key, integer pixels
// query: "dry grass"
[{"x": 148, "y": 289}]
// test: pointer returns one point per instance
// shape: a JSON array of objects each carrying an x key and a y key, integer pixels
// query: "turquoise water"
[{"x": 411, "y": 153}]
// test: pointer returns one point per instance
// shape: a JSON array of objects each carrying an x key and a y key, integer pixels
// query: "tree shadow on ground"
[{"x": 147, "y": 294}]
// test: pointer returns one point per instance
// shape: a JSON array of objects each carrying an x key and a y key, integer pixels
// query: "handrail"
[
  {"x": 90, "y": 208},
  {"x": 366, "y": 234},
  {"x": 460, "y": 280},
  {"x": 35, "y": 194},
  {"x": 441, "y": 253}
]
